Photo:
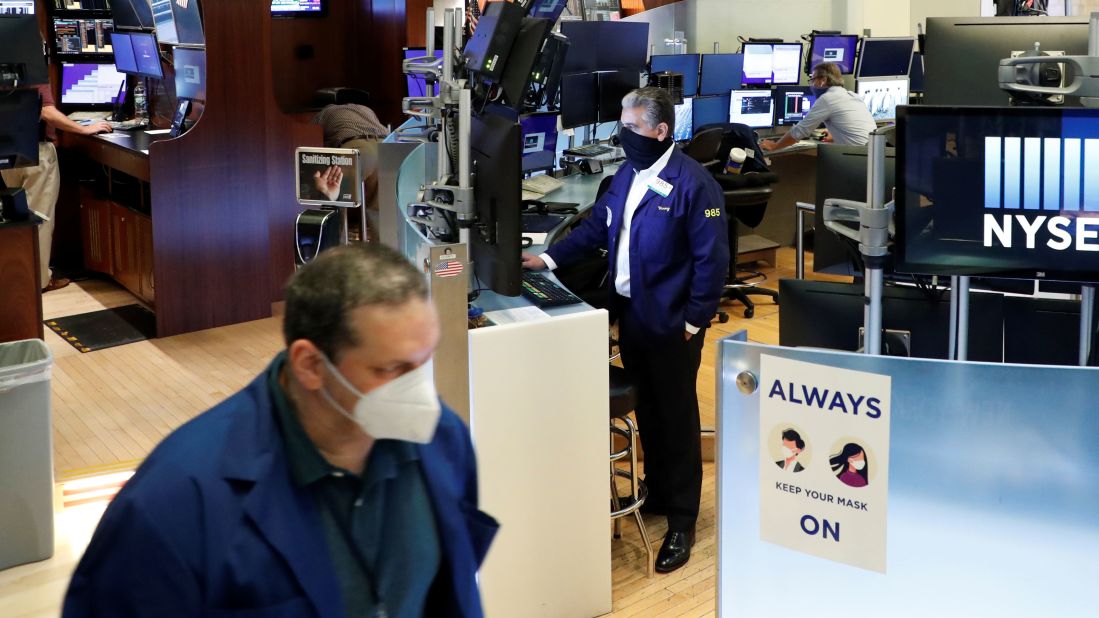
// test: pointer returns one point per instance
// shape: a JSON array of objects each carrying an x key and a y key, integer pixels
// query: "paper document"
[
  {"x": 157, "y": 132},
  {"x": 536, "y": 238},
  {"x": 519, "y": 314}
]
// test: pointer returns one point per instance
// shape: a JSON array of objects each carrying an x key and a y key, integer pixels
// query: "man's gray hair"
[
  {"x": 830, "y": 71},
  {"x": 322, "y": 295},
  {"x": 656, "y": 102}
]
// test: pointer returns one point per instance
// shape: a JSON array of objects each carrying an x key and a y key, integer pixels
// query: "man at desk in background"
[
  {"x": 335, "y": 484},
  {"x": 841, "y": 111},
  {"x": 663, "y": 224},
  {"x": 43, "y": 181}
]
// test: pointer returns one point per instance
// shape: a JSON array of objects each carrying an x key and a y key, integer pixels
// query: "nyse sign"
[{"x": 1037, "y": 177}]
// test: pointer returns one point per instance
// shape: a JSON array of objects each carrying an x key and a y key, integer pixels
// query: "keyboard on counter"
[
  {"x": 591, "y": 150},
  {"x": 542, "y": 184},
  {"x": 89, "y": 116},
  {"x": 127, "y": 125},
  {"x": 540, "y": 290}
]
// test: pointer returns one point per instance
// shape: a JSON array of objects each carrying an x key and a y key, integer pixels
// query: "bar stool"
[{"x": 622, "y": 401}]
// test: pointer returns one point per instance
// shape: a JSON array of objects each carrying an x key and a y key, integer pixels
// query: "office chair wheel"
[
  {"x": 749, "y": 312},
  {"x": 722, "y": 317}
]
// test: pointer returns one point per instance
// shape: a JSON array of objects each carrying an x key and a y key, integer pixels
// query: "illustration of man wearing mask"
[
  {"x": 663, "y": 225},
  {"x": 792, "y": 446},
  {"x": 335, "y": 484}
]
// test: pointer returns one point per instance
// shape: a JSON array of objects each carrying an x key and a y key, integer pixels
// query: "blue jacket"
[
  {"x": 212, "y": 525},
  {"x": 679, "y": 245}
]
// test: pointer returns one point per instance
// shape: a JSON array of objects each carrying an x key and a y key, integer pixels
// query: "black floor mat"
[{"x": 97, "y": 330}]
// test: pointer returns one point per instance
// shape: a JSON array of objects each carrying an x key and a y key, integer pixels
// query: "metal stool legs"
[{"x": 638, "y": 491}]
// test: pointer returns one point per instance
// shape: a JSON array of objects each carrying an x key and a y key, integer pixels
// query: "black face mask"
[{"x": 641, "y": 152}]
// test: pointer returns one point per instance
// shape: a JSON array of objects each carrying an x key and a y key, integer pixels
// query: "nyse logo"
[{"x": 1030, "y": 175}]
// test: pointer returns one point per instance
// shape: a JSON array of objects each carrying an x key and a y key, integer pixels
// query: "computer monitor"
[
  {"x": 887, "y": 57},
  {"x": 828, "y": 314},
  {"x": 755, "y": 108},
  {"x": 882, "y": 95},
  {"x": 721, "y": 73},
  {"x": 21, "y": 51},
  {"x": 771, "y": 63},
  {"x": 579, "y": 100},
  {"x": 518, "y": 75},
  {"x": 605, "y": 45},
  {"x": 90, "y": 85},
  {"x": 961, "y": 55},
  {"x": 1006, "y": 192},
  {"x": 19, "y": 112},
  {"x": 178, "y": 23},
  {"x": 124, "y": 59},
  {"x": 417, "y": 84},
  {"x": 297, "y": 8},
  {"x": 613, "y": 86},
  {"x": 686, "y": 64},
  {"x": 146, "y": 55},
  {"x": 710, "y": 110},
  {"x": 132, "y": 14},
  {"x": 539, "y": 141},
  {"x": 496, "y": 146},
  {"x": 839, "y": 49},
  {"x": 791, "y": 104},
  {"x": 82, "y": 36},
  {"x": 684, "y": 120},
  {"x": 190, "y": 70},
  {"x": 547, "y": 9},
  {"x": 16, "y": 7},
  {"x": 915, "y": 74}
]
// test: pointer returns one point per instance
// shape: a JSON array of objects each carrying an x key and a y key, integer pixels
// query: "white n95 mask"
[{"x": 406, "y": 408}]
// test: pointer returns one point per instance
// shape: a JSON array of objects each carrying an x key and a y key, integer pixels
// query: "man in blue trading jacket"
[
  {"x": 662, "y": 222},
  {"x": 334, "y": 485}
]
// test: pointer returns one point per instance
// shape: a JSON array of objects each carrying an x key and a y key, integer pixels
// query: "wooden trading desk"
[{"x": 20, "y": 288}]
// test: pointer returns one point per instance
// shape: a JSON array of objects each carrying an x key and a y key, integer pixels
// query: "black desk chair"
[
  {"x": 705, "y": 146},
  {"x": 746, "y": 197}
]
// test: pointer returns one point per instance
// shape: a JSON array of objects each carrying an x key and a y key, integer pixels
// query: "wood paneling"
[
  {"x": 20, "y": 289},
  {"x": 309, "y": 53}
]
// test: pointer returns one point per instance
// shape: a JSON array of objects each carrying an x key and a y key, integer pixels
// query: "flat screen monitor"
[
  {"x": 579, "y": 99},
  {"x": 915, "y": 74},
  {"x": 417, "y": 84},
  {"x": 839, "y": 49},
  {"x": 496, "y": 147},
  {"x": 1007, "y": 192},
  {"x": 791, "y": 104},
  {"x": 710, "y": 110},
  {"x": 888, "y": 57},
  {"x": 684, "y": 120},
  {"x": 132, "y": 14},
  {"x": 961, "y": 54},
  {"x": 548, "y": 9},
  {"x": 771, "y": 63},
  {"x": 841, "y": 173},
  {"x": 22, "y": 46},
  {"x": 721, "y": 73},
  {"x": 16, "y": 7},
  {"x": 178, "y": 23},
  {"x": 755, "y": 108},
  {"x": 686, "y": 64},
  {"x": 124, "y": 52},
  {"x": 190, "y": 70},
  {"x": 19, "y": 113},
  {"x": 146, "y": 55},
  {"x": 90, "y": 85},
  {"x": 613, "y": 85},
  {"x": 82, "y": 36},
  {"x": 882, "y": 96},
  {"x": 589, "y": 51},
  {"x": 297, "y": 8},
  {"x": 539, "y": 141}
]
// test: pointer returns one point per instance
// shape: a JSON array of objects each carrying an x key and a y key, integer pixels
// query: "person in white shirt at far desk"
[{"x": 841, "y": 111}]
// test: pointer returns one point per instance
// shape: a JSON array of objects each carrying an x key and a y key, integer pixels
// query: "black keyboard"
[
  {"x": 538, "y": 289},
  {"x": 591, "y": 150}
]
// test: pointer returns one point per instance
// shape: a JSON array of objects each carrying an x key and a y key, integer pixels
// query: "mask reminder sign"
[{"x": 824, "y": 460}]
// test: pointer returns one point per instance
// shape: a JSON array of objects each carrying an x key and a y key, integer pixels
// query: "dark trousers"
[{"x": 664, "y": 372}]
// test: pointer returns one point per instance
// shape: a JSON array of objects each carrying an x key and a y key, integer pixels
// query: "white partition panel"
[{"x": 539, "y": 417}]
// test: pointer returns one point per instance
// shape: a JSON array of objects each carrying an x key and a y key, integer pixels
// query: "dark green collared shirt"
[{"x": 380, "y": 528}]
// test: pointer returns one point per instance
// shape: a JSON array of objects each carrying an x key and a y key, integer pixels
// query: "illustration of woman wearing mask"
[{"x": 851, "y": 466}]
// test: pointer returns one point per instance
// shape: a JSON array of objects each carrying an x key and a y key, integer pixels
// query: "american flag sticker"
[{"x": 449, "y": 268}]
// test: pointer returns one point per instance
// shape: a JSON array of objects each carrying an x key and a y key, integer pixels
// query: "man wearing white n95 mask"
[{"x": 334, "y": 485}]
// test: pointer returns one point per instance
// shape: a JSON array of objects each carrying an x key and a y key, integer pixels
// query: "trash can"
[{"x": 26, "y": 453}]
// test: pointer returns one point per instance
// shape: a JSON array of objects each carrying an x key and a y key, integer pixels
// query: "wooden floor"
[{"x": 112, "y": 406}]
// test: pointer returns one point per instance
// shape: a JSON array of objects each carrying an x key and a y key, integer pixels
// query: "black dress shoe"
[{"x": 675, "y": 551}]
